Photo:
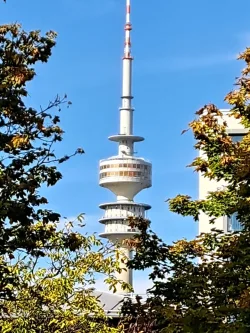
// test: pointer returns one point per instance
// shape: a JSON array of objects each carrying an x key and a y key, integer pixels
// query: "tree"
[
  {"x": 203, "y": 285},
  {"x": 44, "y": 271},
  {"x": 46, "y": 274},
  {"x": 27, "y": 159},
  {"x": 57, "y": 296}
]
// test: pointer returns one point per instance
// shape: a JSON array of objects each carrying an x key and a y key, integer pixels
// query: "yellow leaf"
[{"x": 19, "y": 141}]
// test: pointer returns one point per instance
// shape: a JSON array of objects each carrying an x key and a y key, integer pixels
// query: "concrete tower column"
[{"x": 126, "y": 275}]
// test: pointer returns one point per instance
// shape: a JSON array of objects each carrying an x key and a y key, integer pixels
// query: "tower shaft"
[{"x": 126, "y": 110}]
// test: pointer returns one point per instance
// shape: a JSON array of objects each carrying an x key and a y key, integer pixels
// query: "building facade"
[{"x": 225, "y": 223}]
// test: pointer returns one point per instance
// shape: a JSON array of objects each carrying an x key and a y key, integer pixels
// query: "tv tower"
[{"x": 124, "y": 174}]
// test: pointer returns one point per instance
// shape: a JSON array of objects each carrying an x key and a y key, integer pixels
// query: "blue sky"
[{"x": 184, "y": 54}]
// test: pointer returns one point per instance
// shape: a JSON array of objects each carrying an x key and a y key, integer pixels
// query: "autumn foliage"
[
  {"x": 27, "y": 158},
  {"x": 203, "y": 285},
  {"x": 47, "y": 272}
]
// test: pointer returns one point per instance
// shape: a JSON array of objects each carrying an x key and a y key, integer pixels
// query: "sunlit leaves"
[
  {"x": 203, "y": 285},
  {"x": 47, "y": 272},
  {"x": 19, "y": 141},
  {"x": 28, "y": 157},
  {"x": 59, "y": 296}
]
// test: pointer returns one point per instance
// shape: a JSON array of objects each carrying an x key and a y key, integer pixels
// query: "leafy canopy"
[
  {"x": 203, "y": 285},
  {"x": 27, "y": 137},
  {"x": 56, "y": 295},
  {"x": 46, "y": 274}
]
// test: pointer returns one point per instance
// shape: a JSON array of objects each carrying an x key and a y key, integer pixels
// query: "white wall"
[{"x": 206, "y": 185}]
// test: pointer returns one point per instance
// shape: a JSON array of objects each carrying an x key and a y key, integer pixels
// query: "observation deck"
[
  {"x": 123, "y": 210},
  {"x": 116, "y": 217},
  {"x": 124, "y": 137},
  {"x": 125, "y": 176},
  {"x": 118, "y": 236}
]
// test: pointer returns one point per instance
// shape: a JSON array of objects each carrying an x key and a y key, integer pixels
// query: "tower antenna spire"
[{"x": 128, "y": 28}]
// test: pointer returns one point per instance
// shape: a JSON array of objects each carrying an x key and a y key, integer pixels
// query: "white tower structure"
[
  {"x": 225, "y": 223},
  {"x": 124, "y": 174}
]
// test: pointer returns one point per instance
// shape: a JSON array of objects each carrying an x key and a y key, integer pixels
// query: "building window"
[
  {"x": 237, "y": 137},
  {"x": 233, "y": 224}
]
